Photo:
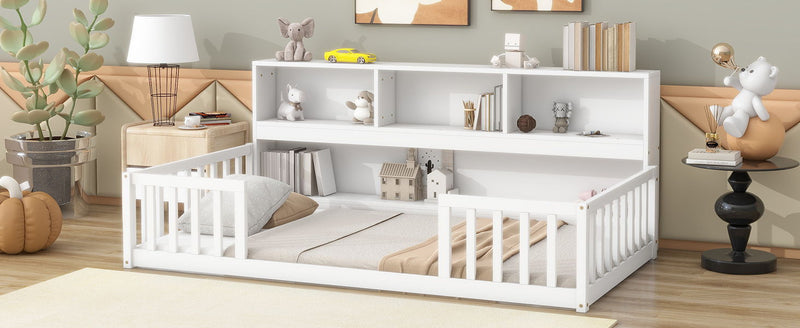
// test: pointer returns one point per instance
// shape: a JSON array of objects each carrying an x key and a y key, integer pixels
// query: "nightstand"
[{"x": 146, "y": 145}]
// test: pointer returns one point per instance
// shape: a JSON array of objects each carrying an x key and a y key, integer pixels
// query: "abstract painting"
[
  {"x": 416, "y": 12},
  {"x": 537, "y": 5}
]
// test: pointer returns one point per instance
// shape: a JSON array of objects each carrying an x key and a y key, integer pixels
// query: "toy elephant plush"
[{"x": 295, "y": 32}]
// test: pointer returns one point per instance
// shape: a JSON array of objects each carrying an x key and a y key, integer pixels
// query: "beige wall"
[{"x": 673, "y": 36}]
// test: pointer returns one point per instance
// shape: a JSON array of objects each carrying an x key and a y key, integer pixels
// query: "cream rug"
[{"x": 104, "y": 298}]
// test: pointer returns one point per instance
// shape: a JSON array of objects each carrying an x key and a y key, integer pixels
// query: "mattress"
[{"x": 394, "y": 232}]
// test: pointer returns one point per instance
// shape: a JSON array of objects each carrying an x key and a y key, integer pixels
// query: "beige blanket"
[{"x": 423, "y": 258}]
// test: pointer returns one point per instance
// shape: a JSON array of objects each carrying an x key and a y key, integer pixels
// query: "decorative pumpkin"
[{"x": 29, "y": 221}]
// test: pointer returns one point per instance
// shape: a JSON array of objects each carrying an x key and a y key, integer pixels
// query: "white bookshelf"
[{"x": 419, "y": 105}]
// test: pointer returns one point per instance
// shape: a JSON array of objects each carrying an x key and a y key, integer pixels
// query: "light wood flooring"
[{"x": 672, "y": 291}]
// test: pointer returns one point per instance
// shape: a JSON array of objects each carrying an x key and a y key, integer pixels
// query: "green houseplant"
[{"x": 53, "y": 153}]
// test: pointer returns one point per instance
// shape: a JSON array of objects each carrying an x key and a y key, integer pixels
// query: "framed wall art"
[
  {"x": 412, "y": 12},
  {"x": 537, "y": 5}
]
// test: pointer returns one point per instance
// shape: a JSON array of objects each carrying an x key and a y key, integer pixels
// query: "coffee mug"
[{"x": 191, "y": 121}]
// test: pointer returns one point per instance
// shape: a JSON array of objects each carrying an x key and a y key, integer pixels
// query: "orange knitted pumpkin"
[{"x": 29, "y": 221}]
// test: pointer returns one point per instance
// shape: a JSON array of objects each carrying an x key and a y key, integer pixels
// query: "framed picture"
[
  {"x": 413, "y": 12},
  {"x": 537, "y": 5}
]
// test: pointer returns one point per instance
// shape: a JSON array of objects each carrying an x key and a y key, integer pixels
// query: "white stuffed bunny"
[
  {"x": 290, "y": 109},
  {"x": 753, "y": 82}
]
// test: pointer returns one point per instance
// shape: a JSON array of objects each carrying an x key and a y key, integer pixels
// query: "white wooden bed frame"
[{"x": 616, "y": 234}]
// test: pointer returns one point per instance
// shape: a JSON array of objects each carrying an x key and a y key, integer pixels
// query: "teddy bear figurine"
[
  {"x": 753, "y": 82},
  {"x": 290, "y": 108},
  {"x": 363, "y": 111}
]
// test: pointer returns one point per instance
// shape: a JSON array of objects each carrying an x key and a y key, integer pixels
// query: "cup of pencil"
[{"x": 469, "y": 114}]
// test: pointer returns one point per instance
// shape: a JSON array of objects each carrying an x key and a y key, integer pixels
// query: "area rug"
[{"x": 105, "y": 298}]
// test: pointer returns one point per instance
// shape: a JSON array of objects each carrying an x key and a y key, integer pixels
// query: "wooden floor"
[{"x": 672, "y": 291}]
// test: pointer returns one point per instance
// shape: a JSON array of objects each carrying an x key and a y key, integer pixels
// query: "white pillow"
[{"x": 264, "y": 197}]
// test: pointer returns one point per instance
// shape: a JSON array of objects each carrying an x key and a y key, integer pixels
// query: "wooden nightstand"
[{"x": 146, "y": 145}]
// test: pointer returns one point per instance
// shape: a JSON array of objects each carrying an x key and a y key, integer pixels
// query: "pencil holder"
[{"x": 469, "y": 118}]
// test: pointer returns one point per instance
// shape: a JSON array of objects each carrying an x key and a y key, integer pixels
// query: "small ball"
[{"x": 526, "y": 123}]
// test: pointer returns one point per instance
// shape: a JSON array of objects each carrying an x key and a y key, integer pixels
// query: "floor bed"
[{"x": 606, "y": 238}]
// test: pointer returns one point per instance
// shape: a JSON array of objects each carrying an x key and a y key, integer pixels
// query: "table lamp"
[{"x": 162, "y": 42}]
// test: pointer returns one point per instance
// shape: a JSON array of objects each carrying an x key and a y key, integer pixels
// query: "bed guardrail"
[{"x": 185, "y": 183}]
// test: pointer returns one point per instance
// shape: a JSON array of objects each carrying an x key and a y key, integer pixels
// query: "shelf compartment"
[{"x": 617, "y": 146}]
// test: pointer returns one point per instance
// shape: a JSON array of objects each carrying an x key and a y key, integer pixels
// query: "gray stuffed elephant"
[{"x": 295, "y": 32}]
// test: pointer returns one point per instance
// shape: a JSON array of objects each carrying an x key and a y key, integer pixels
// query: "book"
[
  {"x": 293, "y": 167},
  {"x": 211, "y": 114},
  {"x": 565, "y": 49},
  {"x": 570, "y": 48},
  {"x": 323, "y": 170},
  {"x": 592, "y": 47},
  {"x": 599, "y": 41},
  {"x": 477, "y": 123},
  {"x": 498, "y": 102},
  {"x": 631, "y": 48},
  {"x": 308, "y": 178},
  {"x": 721, "y": 155},
  {"x": 714, "y": 162}
]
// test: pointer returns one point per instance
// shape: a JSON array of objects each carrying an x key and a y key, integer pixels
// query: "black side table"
[{"x": 740, "y": 209}]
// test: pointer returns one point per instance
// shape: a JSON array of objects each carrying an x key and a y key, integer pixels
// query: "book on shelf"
[
  {"x": 323, "y": 170},
  {"x": 599, "y": 46},
  {"x": 720, "y": 155},
  {"x": 714, "y": 162},
  {"x": 308, "y": 172}
]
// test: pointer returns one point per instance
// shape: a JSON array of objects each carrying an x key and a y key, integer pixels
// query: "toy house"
[
  {"x": 402, "y": 181},
  {"x": 439, "y": 182}
]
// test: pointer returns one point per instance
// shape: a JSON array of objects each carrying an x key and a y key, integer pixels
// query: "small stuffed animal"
[
  {"x": 753, "y": 82},
  {"x": 362, "y": 108},
  {"x": 295, "y": 32},
  {"x": 562, "y": 111},
  {"x": 290, "y": 108}
]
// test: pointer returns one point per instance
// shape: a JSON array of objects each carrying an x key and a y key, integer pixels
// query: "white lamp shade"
[{"x": 162, "y": 39}]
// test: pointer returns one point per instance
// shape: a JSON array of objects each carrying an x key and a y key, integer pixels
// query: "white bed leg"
[
  {"x": 552, "y": 227},
  {"x": 470, "y": 252},
  {"x": 444, "y": 242},
  {"x": 128, "y": 220},
  {"x": 582, "y": 263},
  {"x": 497, "y": 246},
  {"x": 524, "y": 249},
  {"x": 148, "y": 223},
  {"x": 652, "y": 216}
]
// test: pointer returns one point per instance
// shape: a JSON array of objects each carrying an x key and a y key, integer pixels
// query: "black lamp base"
[
  {"x": 725, "y": 260},
  {"x": 163, "y": 79}
]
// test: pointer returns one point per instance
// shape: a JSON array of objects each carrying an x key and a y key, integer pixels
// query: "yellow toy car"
[{"x": 349, "y": 55}]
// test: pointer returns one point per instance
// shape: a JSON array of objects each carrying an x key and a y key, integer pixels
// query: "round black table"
[{"x": 739, "y": 209}]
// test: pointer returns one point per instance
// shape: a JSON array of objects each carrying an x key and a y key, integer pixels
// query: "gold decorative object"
[
  {"x": 712, "y": 119},
  {"x": 469, "y": 114},
  {"x": 722, "y": 54}
]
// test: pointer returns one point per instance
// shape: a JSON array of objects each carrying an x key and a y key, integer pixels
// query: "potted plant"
[{"x": 50, "y": 159}]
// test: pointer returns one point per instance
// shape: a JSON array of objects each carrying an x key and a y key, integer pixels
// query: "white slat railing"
[
  {"x": 525, "y": 209},
  {"x": 186, "y": 182}
]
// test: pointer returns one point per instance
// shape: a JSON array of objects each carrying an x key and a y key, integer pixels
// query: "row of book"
[
  {"x": 488, "y": 111},
  {"x": 213, "y": 118},
  {"x": 721, "y": 157},
  {"x": 600, "y": 46},
  {"x": 308, "y": 172}
]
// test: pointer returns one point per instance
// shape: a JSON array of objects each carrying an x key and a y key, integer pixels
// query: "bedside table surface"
[
  {"x": 776, "y": 163},
  {"x": 147, "y": 145}
]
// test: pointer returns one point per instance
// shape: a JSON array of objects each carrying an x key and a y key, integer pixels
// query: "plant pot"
[{"x": 54, "y": 167}]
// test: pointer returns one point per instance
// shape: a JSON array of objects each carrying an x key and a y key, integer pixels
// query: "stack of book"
[
  {"x": 308, "y": 172},
  {"x": 722, "y": 157},
  {"x": 213, "y": 118},
  {"x": 488, "y": 112},
  {"x": 600, "y": 46}
]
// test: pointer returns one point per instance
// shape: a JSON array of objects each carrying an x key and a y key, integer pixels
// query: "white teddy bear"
[
  {"x": 753, "y": 82},
  {"x": 290, "y": 108},
  {"x": 363, "y": 111}
]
